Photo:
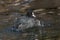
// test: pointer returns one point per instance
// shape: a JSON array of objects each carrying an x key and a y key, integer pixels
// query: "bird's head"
[{"x": 30, "y": 13}]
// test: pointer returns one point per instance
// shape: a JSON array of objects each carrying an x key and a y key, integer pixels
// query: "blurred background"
[{"x": 44, "y": 9}]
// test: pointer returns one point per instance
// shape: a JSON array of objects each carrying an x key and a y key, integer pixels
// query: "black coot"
[{"x": 26, "y": 21}]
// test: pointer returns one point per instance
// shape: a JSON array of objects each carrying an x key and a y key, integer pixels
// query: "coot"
[
  {"x": 26, "y": 21},
  {"x": 29, "y": 20}
]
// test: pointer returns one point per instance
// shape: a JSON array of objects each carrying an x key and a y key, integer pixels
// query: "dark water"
[{"x": 7, "y": 33}]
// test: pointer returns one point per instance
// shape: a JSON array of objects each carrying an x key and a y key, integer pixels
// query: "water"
[{"x": 8, "y": 33}]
